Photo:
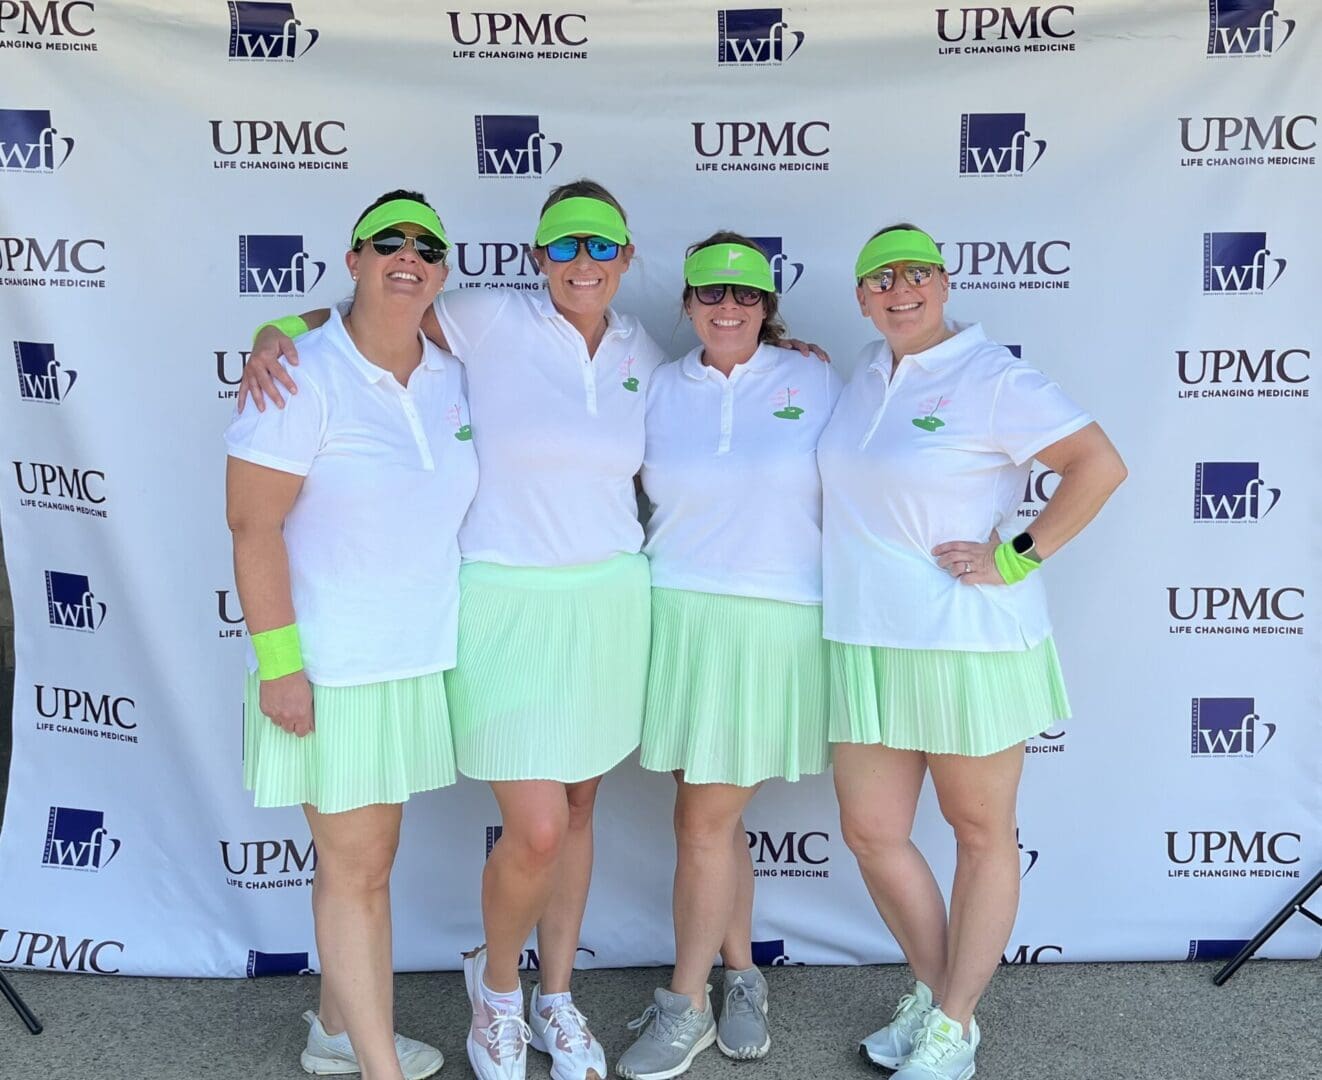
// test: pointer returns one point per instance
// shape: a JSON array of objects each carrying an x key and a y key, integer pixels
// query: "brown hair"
[{"x": 773, "y": 329}]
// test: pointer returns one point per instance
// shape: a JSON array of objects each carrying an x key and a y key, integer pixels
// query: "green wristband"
[
  {"x": 289, "y": 325},
  {"x": 1013, "y": 566},
  {"x": 278, "y": 653}
]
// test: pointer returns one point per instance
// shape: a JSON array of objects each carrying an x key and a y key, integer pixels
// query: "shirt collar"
[
  {"x": 762, "y": 360},
  {"x": 545, "y": 306},
  {"x": 939, "y": 357},
  {"x": 432, "y": 359}
]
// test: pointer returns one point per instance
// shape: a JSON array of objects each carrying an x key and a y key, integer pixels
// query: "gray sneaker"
[
  {"x": 742, "y": 1031},
  {"x": 673, "y": 1034}
]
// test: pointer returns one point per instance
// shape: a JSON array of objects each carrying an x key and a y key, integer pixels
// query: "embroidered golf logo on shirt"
[
  {"x": 630, "y": 379},
  {"x": 785, "y": 399},
  {"x": 931, "y": 421},
  {"x": 463, "y": 432}
]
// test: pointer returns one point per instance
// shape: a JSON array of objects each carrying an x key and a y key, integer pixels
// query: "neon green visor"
[
  {"x": 733, "y": 264},
  {"x": 400, "y": 212},
  {"x": 581, "y": 217},
  {"x": 898, "y": 245}
]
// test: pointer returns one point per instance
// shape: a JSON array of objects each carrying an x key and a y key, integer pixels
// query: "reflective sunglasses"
[
  {"x": 883, "y": 280},
  {"x": 430, "y": 249},
  {"x": 567, "y": 247},
  {"x": 744, "y": 295}
]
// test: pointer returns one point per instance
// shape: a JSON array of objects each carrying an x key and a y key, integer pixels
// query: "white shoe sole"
[
  {"x": 679, "y": 1069},
  {"x": 880, "y": 1061},
  {"x": 321, "y": 1066},
  {"x": 538, "y": 1043},
  {"x": 747, "y": 1053}
]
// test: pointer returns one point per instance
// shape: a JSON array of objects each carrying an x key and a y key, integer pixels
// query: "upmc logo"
[
  {"x": 791, "y": 146},
  {"x": 997, "y": 144},
  {"x": 78, "y": 840},
  {"x": 39, "y": 375},
  {"x": 1208, "y": 846},
  {"x": 513, "y": 146},
  {"x": 502, "y": 263},
  {"x": 52, "y": 21},
  {"x": 28, "y": 141},
  {"x": 789, "y": 854},
  {"x": 1226, "y": 727},
  {"x": 1231, "y": 491},
  {"x": 1245, "y": 28},
  {"x": 754, "y": 36},
  {"x": 268, "y": 864},
  {"x": 999, "y": 264},
  {"x": 784, "y": 273},
  {"x": 70, "y": 603},
  {"x": 275, "y": 266},
  {"x": 267, "y": 32},
  {"x": 1215, "y": 609},
  {"x": 1236, "y": 262},
  {"x": 513, "y": 35},
  {"x": 1244, "y": 140},
  {"x": 274, "y": 144},
  {"x": 1234, "y": 367},
  {"x": 53, "y": 952},
  {"x": 1004, "y": 23},
  {"x": 76, "y": 258}
]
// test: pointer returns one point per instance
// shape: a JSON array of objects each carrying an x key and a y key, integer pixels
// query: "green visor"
[
  {"x": 733, "y": 264},
  {"x": 400, "y": 212},
  {"x": 581, "y": 217},
  {"x": 898, "y": 245}
]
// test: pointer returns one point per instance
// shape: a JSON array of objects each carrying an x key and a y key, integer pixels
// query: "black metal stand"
[
  {"x": 24, "y": 1013},
  {"x": 1278, "y": 920}
]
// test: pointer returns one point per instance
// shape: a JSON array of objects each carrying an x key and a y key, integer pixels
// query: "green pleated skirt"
[
  {"x": 378, "y": 743},
  {"x": 552, "y": 669},
  {"x": 737, "y": 691},
  {"x": 944, "y": 701}
]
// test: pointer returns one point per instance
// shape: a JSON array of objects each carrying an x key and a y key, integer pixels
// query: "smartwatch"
[{"x": 1023, "y": 545}]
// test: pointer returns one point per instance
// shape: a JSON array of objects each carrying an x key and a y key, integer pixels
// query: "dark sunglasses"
[
  {"x": 566, "y": 249},
  {"x": 883, "y": 280},
  {"x": 390, "y": 241},
  {"x": 744, "y": 295}
]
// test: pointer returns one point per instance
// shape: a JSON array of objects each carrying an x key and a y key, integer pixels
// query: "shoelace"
[
  {"x": 907, "y": 1002},
  {"x": 507, "y": 1033},
  {"x": 931, "y": 1047},
  {"x": 572, "y": 1023},
  {"x": 666, "y": 1025},
  {"x": 740, "y": 1000}
]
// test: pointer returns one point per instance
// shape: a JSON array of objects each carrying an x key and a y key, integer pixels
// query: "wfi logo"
[
  {"x": 1215, "y": 948},
  {"x": 70, "y": 602},
  {"x": 1230, "y": 491},
  {"x": 754, "y": 36},
  {"x": 512, "y": 146},
  {"x": 78, "y": 840},
  {"x": 1226, "y": 727},
  {"x": 1236, "y": 262},
  {"x": 772, "y": 953},
  {"x": 493, "y": 834},
  {"x": 1027, "y": 857},
  {"x": 39, "y": 376},
  {"x": 266, "y": 32},
  {"x": 997, "y": 144},
  {"x": 774, "y": 249},
  {"x": 275, "y": 266},
  {"x": 28, "y": 142},
  {"x": 261, "y": 964},
  {"x": 1245, "y": 28}
]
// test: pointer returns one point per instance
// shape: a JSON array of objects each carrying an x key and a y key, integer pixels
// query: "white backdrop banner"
[{"x": 1127, "y": 193}]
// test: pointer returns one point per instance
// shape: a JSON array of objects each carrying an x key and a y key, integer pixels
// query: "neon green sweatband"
[
  {"x": 898, "y": 245},
  {"x": 1013, "y": 566},
  {"x": 729, "y": 264},
  {"x": 400, "y": 212},
  {"x": 289, "y": 325},
  {"x": 581, "y": 217},
  {"x": 278, "y": 653}
]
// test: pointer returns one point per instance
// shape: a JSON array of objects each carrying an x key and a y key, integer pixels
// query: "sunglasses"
[
  {"x": 744, "y": 295},
  {"x": 566, "y": 249},
  {"x": 430, "y": 249},
  {"x": 883, "y": 280}
]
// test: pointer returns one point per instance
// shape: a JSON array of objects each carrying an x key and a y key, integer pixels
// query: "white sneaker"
[
  {"x": 562, "y": 1031},
  {"x": 497, "y": 1041},
  {"x": 332, "y": 1055},
  {"x": 941, "y": 1050},
  {"x": 890, "y": 1046}
]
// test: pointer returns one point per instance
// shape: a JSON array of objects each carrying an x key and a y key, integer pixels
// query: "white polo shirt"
[
  {"x": 731, "y": 473},
  {"x": 940, "y": 452},
  {"x": 559, "y": 434},
  {"x": 388, "y": 473}
]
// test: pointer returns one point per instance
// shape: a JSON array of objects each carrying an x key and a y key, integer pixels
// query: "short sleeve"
[
  {"x": 285, "y": 439},
  {"x": 1030, "y": 412},
  {"x": 467, "y": 317}
]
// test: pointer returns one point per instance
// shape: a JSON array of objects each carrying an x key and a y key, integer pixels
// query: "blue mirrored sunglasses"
[{"x": 567, "y": 247}]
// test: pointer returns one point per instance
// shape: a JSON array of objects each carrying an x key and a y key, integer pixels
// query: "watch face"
[{"x": 1023, "y": 544}]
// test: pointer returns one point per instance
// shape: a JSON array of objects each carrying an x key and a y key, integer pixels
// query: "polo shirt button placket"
[
  {"x": 415, "y": 427},
  {"x": 887, "y": 389},
  {"x": 727, "y": 415}
]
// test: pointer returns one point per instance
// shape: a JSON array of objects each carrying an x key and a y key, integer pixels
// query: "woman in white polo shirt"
[
  {"x": 941, "y": 654},
  {"x": 345, "y": 510},
  {"x": 554, "y": 624},
  {"x": 737, "y": 692}
]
